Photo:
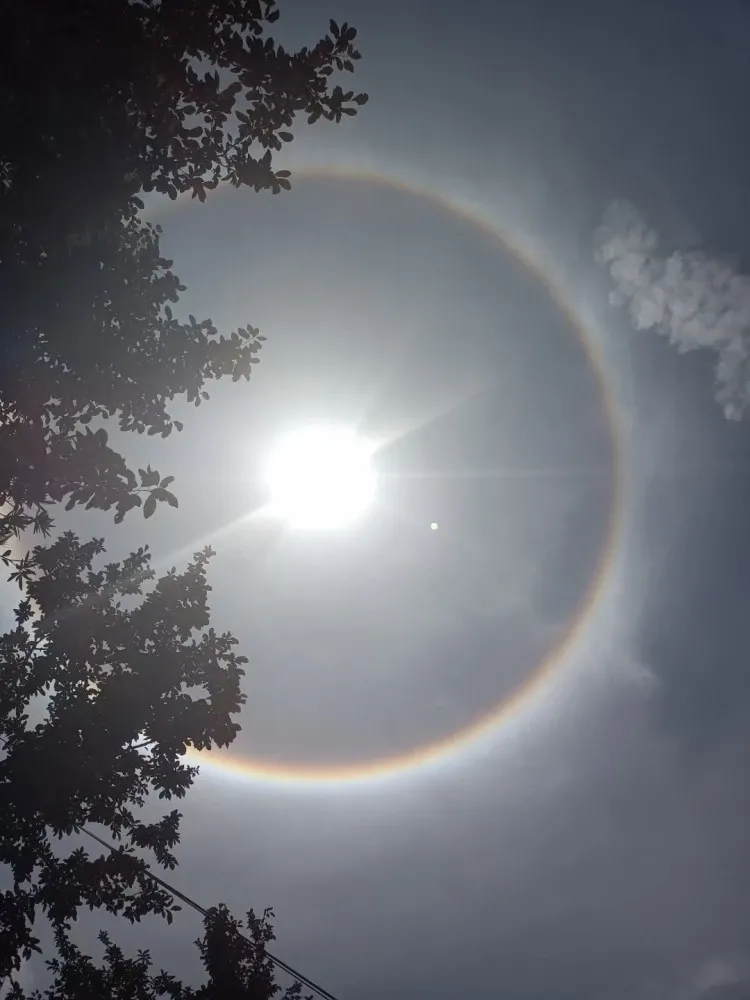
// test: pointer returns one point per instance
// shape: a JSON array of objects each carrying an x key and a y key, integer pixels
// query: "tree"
[
  {"x": 100, "y": 103},
  {"x": 236, "y": 963},
  {"x": 128, "y": 690}
]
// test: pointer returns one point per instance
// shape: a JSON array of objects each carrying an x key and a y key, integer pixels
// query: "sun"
[{"x": 321, "y": 478}]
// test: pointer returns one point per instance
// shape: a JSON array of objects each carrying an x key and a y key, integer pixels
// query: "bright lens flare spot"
[{"x": 321, "y": 478}]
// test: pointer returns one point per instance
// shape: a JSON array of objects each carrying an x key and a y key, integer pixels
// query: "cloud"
[
  {"x": 723, "y": 976},
  {"x": 697, "y": 302}
]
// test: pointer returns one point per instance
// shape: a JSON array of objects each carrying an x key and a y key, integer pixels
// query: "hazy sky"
[{"x": 594, "y": 842}]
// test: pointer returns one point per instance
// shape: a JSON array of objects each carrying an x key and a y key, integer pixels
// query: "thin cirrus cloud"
[{"x": 697, "y": 302}]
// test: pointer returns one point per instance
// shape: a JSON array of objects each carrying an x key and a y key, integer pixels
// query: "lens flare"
[{"x": 321, "y": 478}]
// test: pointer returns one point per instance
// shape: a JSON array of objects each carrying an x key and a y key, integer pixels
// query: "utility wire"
[{"x": 204, "y": 912}]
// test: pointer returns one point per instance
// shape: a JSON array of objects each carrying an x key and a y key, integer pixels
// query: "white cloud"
[
  {"x": 719, "y": 972},
  {"x": 697, "y": 302},
  {"x": 720, "y": 978}
]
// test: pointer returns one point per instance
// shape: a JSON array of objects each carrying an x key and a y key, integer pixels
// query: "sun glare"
[{"x": 321, "y": 478}]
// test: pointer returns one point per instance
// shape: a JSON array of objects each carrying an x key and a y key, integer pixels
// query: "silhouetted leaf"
[{"x": 148, "y": 477}]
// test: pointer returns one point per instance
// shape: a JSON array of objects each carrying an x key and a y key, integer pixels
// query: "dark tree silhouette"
[
  {"x": 100, "y": 102},
  {"x": 127, "y": 690},
  {"x": 235, "y": 960}
]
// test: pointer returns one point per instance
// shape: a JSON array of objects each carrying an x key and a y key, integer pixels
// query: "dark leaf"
[{"x": 149, "y": 506}]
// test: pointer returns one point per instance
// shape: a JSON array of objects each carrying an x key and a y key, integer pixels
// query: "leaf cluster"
[
  {"x": 100, "y": 103},
  {"x": 132, "y": 674},
  {"x": 234, "y": 956}
]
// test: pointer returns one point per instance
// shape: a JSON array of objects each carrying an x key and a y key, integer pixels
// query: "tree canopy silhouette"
[
  {"x": 233, "y": 955},
  {"x": 101, "y": 102}
]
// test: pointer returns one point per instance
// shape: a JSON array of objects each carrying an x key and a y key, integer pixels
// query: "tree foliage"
[
  {"x": 235, "y": 960},
  {"x": 101, "y": 102},
  {"x": 127, "y": 690}
]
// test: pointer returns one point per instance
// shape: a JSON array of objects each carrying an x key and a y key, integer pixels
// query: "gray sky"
[{"x": 594, "y": 843}]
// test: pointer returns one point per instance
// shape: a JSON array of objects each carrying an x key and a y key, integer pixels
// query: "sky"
[{"x": 520, "y": 269}]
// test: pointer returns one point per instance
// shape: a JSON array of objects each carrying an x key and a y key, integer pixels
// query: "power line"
[{"x": 204, "y": 912}]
